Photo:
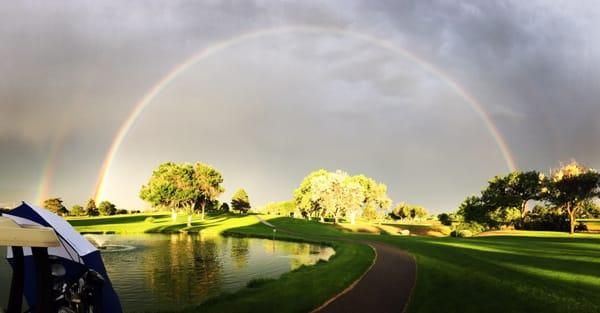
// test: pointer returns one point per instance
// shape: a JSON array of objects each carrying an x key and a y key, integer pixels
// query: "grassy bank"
[
  {"x": 515, "y": 271},
  {"x": 524, "y": 272},
  {"x": 299, "y": 291}
]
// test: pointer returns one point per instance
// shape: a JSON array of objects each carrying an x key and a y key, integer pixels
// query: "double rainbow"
[{"x": 179, "y": 69}]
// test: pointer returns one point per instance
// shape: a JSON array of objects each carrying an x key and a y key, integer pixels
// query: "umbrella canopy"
[{"x": 75, "y": 253}]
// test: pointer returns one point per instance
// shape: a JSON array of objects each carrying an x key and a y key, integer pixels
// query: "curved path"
[{"x": 385, "y": 287}]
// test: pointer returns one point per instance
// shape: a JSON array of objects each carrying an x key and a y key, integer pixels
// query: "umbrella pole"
[
  {"x": 42, "y": 286},
  {"x": 15, "y": 300}
]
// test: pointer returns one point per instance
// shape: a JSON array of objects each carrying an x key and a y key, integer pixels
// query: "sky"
[{"x": 368, "y": 87}]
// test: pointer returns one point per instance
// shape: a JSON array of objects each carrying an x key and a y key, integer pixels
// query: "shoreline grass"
[
  {"x": 301, "y": 290},
  {"x": 504, "y": 271}
]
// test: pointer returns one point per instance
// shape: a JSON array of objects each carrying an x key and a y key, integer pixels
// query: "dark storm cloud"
[{"x": 71, "y": 71}]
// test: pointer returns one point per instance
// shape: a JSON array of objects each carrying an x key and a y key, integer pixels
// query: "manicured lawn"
[
  {"x": 525, "y": 272},
  {"x": 514, "y": 271},
  {"x": 299, "y": 291},
  {"x": 162, "y": 223}
]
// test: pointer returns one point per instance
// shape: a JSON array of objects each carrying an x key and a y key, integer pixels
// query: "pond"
[{"x": 153, "y": 272}]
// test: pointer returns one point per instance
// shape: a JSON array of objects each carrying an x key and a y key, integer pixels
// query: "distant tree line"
[
  {"x": 566, "y": 194},
  {"x": 105, "y": 208}
]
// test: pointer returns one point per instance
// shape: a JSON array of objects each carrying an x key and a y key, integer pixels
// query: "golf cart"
[{"x": 54, "y": 267}]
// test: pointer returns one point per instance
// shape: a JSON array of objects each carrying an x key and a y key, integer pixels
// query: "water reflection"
[
  {"x": 170, "y": 271},
  {"x": 167, "y": 272}
]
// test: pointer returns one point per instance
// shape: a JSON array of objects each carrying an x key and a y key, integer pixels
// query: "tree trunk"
[
  {"x": 353, "y": 218},
  {"x": 335, "y": 219},
  {"x": 571, "y": 212},
  {"x": 523, "y": 210},
  {"x": 189, "y": 220},
  {"x": 202, "y": 206},
  {"x": 174, "y": 215}
]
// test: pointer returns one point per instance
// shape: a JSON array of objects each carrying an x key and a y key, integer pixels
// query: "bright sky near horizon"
[{"x": 268, "y": 110}]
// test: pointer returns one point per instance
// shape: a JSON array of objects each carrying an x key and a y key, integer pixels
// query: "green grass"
[
  {"x": 301, "y": 290},
  {"x": 525, "y": 272},
  {"x": 510, "y": 271},
  {"x": 136, "y": 223}
]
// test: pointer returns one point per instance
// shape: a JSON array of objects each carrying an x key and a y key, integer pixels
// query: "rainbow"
[{"x": 176, "y": 71}]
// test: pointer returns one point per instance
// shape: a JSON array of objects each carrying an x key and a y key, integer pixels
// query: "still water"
[{"x": 167, "y": 272}]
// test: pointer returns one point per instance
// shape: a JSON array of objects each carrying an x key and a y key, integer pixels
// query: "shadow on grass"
[
  {"x": 125, "y": 219},
  {"x": 467, "y": 279}
]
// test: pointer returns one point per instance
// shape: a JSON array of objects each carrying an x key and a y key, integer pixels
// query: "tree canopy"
[
  {"x": 77, "y": 210},
  {"x": 182, "y": 186},
  {"x": 91, "y": 209},
  {"x": 569, "y": 190},
  {"x": 337, "y": 194},
  {"x": 571, "y": 187},
  {"x": 55, "y": 205},
  {"x": 404, "y": 210},
  {"x": 106, "y": 208},
  {"x": 240, "y": 201}
]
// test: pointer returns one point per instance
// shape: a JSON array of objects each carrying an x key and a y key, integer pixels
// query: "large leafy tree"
[
  {"x": 208, "y": 182},
  {"x": 183, "y": 187},
  {"x": 570, "y": 187},
  {"x": 336, "y": 194},
  {"x": 404, "y": 210},
  {"x": 303, "y": 195},
  {"x": 55, "y": 205},
  {"x": 91, "y": 209},
  {"x": 401, "y": 211},
  {"x": 376, "y": 200},
  {"x": 514, "y": 190},
  {"x": 240, "y": 201},
  {"x": 107, "y": 208},
  {"x": 76, "y": 210}
]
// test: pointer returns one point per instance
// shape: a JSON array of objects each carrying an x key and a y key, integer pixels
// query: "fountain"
[{"x": 101, "y": 240}]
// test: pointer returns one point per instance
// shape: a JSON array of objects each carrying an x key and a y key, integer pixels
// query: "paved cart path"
[{"x": 384, "y": 288}]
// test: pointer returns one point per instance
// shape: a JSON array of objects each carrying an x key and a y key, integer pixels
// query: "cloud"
[{"x": 270, "y": 110}]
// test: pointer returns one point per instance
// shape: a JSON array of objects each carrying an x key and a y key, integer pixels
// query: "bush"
[
  {"x": 444, "y": 230},
  {"x": 462, "y": 233},
  {"x": 474, "y": 228},
  {"x": 121, "y": 211},
  {"x": 149, "y": 219},
  {"x": 445, "y": 219},
  {"x": 581, "y": 227}
]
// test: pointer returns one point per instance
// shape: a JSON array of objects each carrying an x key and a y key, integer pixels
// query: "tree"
[
  {"x": 90, "y": 208},
  {"x": 445, "y": 219},
  {"x": 570, "y": 187},
  {"x": 303, "y": 195},
  {"x": 240, "y": 201},
  {"x": 401, "y": 211},
  {"x": 208, "y": 181},
  {"x": 336, "y": 194},
  {"x": 182, "y": 187},
  {"x": 376, "y": 200},
  {"x": 55, "y": 205},
  {"x": 514, "y": 190},
  {"x": 76, "y": 210},
  {"x": 474, "y": 209},
  {"x": 224, "y": 207},
  {"x": 417, "y": 212},
  {"x": 106, "y": 208}
]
